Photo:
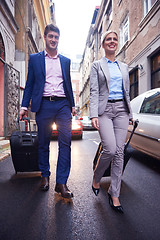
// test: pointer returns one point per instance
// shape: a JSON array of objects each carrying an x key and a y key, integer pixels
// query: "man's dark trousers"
[{"x": 58, "y": 111}]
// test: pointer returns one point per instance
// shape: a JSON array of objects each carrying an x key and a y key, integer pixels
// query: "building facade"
[
  {"x": 22, "y": 24},
  {"x": 138, "y": 26},
  {"x": 32, "y": 16},
  {"x": 9, "y": 77},
  {"x": 75, "y": 78},
  {"x": 87, "y": 59}
]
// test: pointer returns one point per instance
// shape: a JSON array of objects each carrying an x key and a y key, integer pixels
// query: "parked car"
[
  {"x": 146, "y": 108},
  {"x": 86, "y": 122},
  {"x": 77, "y": 128}
]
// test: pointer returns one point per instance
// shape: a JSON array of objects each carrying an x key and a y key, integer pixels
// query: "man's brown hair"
[{"x": 51, "y": 27}]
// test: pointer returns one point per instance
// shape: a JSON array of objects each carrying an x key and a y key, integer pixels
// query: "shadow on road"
[{"x": 146, "y": 160}]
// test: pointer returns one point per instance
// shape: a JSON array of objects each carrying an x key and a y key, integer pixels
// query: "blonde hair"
[{"x": 106, "y": 33}]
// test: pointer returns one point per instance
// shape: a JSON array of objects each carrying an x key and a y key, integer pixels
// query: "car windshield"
[{"x": 86, "y": 118}]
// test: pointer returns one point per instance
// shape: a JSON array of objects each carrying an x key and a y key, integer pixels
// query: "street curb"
[{"x": 4, "y": 155}]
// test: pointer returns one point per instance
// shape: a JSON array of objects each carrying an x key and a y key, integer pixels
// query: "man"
[{"x": 49, "y": 86}]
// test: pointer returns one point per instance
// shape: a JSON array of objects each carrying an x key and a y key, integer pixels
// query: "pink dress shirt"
[{"x": 54, "y": 79}]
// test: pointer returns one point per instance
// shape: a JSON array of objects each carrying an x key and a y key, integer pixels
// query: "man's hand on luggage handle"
[
  {"x": 22, "y": 113},
  {"x": 95, "y": 123}
]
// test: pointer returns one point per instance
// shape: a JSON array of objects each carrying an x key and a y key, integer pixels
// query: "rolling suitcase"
[
  {"x": 127, "y": 153},
  {"x": 24, "y": 149}
]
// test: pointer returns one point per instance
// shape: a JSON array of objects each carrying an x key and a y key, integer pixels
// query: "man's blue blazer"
[{"x": 36, "y": 79}]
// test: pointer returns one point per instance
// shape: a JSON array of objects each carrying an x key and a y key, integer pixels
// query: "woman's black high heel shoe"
[
  {"x": 95, "y": 190},
  {"x": 116, "y": 208}
]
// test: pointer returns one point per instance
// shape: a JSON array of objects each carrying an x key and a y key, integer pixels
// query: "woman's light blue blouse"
[{"x": 116, "y": 82}]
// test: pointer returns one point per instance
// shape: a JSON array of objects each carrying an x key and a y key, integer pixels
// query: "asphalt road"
[{"x": 26, "y": 213}]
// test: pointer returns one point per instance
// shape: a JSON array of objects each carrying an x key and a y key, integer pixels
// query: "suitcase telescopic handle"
[
  {"x": 24, "y": 118},
  {"x": 27, "y": 119}
]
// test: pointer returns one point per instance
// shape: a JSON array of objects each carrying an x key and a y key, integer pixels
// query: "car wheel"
[{"x": 80, "y": 137}]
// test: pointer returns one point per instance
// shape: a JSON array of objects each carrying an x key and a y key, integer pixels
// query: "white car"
[
  {"x": 86, "y": 122},
  {"x": 146, "y": 108}
]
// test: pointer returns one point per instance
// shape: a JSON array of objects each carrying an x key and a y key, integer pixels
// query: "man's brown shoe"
[
  {"x": 44, "y": 184},
  {"x": 63, "y": 189}
]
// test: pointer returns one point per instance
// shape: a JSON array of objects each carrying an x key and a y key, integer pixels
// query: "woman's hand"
[
  {"x": 131, "y": 121},
  {"x": 95, "y": 123}
]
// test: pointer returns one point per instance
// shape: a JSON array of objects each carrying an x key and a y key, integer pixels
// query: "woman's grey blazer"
[{"x": 100, "y": 84}]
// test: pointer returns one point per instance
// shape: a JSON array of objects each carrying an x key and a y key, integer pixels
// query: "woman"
[{"x": 110, "y": 113}]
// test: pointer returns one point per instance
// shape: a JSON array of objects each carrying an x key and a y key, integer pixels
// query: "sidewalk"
[{"x": 4, "y": 148}]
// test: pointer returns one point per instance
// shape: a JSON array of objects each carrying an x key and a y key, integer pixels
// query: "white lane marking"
[{"x": 96, "y": 142}]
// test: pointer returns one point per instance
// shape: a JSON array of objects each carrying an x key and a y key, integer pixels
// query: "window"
[
  {"x": 155, "y": 71},
  {"x": 147, "y": 5},
  {"x": 108, "y": 15},
  {"x": 2, "y": 49},
  {"x": 124, "y": 31},
  {"x": 119, "y": 2},
  {"x": 99, "y": 37},
  {"x": 151, "y": 104},
  {"x": 133, "y": 83}
]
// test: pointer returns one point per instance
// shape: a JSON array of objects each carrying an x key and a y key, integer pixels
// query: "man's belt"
[
  {"x": 115, "y": 100},
  {"x": 53, "y": 98}
]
